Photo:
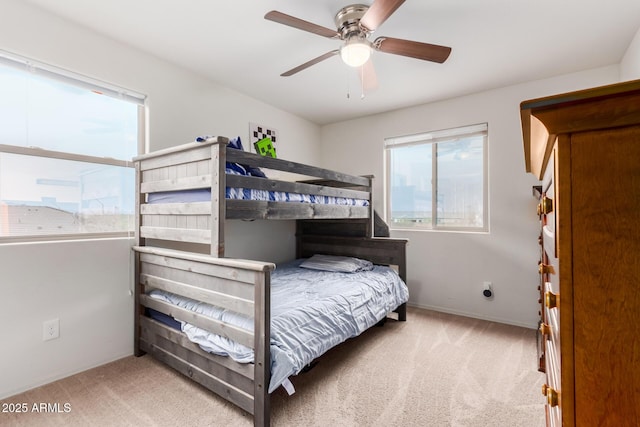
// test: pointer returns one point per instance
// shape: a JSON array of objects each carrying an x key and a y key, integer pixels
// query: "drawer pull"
[
  {"x": 545, "y": 268},
  {"x": 545, "y": 330},
  {"x": 545, "y": 206},
  {"x": 551, "y": 300},
  {"x": 552, "y": 395}
]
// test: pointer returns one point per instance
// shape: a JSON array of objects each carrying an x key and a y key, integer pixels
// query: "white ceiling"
[{"x": 495, "y": 43}]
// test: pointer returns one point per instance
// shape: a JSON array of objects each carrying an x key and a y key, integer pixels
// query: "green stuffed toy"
[{"x": 265, "y": 147}]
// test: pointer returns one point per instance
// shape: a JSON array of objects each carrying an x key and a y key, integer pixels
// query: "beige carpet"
[{"x": 433, "y": 370}]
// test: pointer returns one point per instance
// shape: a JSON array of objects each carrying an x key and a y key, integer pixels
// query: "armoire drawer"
[{"x": 552, "y": 388}]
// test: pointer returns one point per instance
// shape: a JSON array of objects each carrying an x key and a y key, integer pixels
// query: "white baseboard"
[{"x": 473, "y": 315}]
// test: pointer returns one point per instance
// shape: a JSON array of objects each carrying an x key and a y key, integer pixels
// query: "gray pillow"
[{"x": 340, "y": 264}]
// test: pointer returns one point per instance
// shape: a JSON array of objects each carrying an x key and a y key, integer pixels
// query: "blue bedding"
[
  {"x": 204, "y": 195},
  {"x": 311, "y": 312}
]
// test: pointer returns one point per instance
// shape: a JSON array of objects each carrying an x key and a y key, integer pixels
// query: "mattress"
[
  {"x": 311, "y": 312},
  {"x": 204, "y": 195}
]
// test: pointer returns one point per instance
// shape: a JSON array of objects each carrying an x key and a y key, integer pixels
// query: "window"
[
  {"x": 437, "y": 180},
  {"x": 66, "y": 144}
]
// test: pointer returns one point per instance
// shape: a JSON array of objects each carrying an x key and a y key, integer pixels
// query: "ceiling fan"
[{"x": 355, "y": 23}]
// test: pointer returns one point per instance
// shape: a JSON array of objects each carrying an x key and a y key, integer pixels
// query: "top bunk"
[{"x": 184, "y": 193}]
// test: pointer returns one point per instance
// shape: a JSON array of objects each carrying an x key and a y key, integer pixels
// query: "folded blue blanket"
[{"x": 236, "y": 143}]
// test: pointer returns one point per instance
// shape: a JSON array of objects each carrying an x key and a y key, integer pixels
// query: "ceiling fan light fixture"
[
  {"x": 354, "y": 24},
  {"x": 355, "y": 52}
]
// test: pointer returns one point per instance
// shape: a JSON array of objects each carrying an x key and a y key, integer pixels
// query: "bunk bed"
[{"x": 184, "y": 195}]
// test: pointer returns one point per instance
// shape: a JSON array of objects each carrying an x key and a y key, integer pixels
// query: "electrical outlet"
[
  {"x": 487, "y": 290},
  {"x": 50, "y": 329}
]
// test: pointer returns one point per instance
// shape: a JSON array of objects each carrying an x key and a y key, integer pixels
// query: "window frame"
[
  {"x": 84, "y": 82},
  {"x": 433, "y": 138}
]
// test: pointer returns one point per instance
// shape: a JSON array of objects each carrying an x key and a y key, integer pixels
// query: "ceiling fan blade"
[
  {"x": 301, "y": 24},
  {"x": 309, "y": 63},
  {"x": 368, "y": 76},
  {"x": 378, "y": 12},
  {"x": 425, "y": 51}
]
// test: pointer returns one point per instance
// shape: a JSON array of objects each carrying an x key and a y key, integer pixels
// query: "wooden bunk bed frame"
[{"x": 235, "y": 284}]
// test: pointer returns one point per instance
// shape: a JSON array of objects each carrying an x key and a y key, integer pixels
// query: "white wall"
[
  {"x": 86, "y": 284},
  {"x": 630, "y": 64},
  {"x": 446, "y": 270}
]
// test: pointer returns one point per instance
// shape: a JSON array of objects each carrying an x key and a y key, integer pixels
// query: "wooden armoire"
[{"x": 584, "y": 147}]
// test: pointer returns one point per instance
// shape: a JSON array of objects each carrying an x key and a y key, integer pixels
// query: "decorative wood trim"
[
  {"x": 176, "y": 234},
  {"x": 188, "y": 183},
  {"x": 262, "y": 353},
  {"x": 234, "y": 263},
  {"x": 188, "y": 147},
  {"x": 543, "y": 119},
  {"x": 255, "y": 160},
  {"x": 230, "y": 302},
  {"x": 199, "y": 374},
  {"x": 194, "y": 208},
  {"x": 254, "y": 209},
  {"x": 222, "y": 366},
  {"x": 218, "y": 201}
]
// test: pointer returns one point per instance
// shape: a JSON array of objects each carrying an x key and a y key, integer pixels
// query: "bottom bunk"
[{"x": 260, "y": 325}]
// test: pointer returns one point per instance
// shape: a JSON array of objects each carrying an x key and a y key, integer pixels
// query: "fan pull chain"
[
  {"x": 348, "y": 87},
  {"x": 362, "y": 82},
  {"x": 362, "y": 94}
]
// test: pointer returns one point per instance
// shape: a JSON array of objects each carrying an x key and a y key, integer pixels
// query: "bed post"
[
  {"x": 262, "y": 355},
  {"x": 137, "y": 286},
  {"x": 402, "y": 272},
  {"x": 371, "y": 222},
  {"x": 218, "y": 201}
]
